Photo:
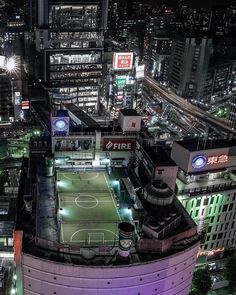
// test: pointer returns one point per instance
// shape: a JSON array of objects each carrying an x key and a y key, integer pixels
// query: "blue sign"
[
  {"x": 60, "y": 125},
  {"x": 199, "y": 161}
]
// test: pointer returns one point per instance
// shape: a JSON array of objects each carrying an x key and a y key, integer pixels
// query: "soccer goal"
[{"x": 96, "y": 239}]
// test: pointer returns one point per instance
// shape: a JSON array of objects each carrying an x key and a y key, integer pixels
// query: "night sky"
[
  {"x": 192, "y": 3},
  {"x": 203, "y": 3}
]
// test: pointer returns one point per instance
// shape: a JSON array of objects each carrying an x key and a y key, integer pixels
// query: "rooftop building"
[{"x": 93, "y": 228}]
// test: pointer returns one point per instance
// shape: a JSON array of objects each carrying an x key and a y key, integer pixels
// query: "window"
[
  {"x": 198, "y": 202},
  {"x": 231, "y": 206},
  {"x": 225, "y": 208},
  {"x": 205, "y": 203},
  {"x": 213, "y": 237},
  {"x": 220, "y": 235}
]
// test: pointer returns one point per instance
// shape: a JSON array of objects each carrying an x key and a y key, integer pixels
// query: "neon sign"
[
  {"x": 210, "y": 253},
  {"x": 60, "y": 124},
  {"x": 201, "y": 161},
  {"x": 217, "y": 159}
]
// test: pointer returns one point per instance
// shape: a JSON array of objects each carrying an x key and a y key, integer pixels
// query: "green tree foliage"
[
  {"x": 201, "y": 282},
  {"x": 230, "y": 271}
]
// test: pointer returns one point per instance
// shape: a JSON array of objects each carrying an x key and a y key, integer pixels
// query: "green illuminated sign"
[{"x": 121, "y": 81}]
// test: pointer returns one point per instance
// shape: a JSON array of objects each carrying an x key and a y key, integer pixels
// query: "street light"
[{"x": 11, "y": 66}]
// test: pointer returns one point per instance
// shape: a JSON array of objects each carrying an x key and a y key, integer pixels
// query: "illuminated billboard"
[
  {"x": 18, "y": 98},
  {"x": 118, "y": 144},
  {"x": 25, "y": 105},
  {"x": 129, "y": 123},
  {"x": 121, "y": 81},
  {"x": 122, "y": 61},
  {"x": 140, "y": 71},
  {"x": 203, "y": 160},
  {"x": 2, "y": 61},
  {"x": 60, "y": 125}
]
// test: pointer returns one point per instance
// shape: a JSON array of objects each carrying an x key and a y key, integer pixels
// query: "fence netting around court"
[{"x": 72, "y": 248}]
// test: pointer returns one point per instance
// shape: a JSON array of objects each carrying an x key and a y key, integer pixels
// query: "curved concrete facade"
[{"x": 171, "y": 275}]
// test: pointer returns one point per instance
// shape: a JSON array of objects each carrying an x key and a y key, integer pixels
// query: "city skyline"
[{"x": 117, "y": 147}]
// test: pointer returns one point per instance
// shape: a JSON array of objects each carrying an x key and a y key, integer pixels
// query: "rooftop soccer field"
[{"x": 88, "y": 210}]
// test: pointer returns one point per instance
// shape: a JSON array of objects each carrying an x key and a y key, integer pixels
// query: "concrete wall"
[{"x": 168, "y": 276}]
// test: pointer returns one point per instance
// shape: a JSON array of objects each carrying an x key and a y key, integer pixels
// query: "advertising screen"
[
  {"x": 140, "y": 71},
  {"x": 25, "y": 105},
  {"x": 123, "y": 61},
  {"x": 18, "y": 98},
  {"x": 121, "y": 81}
]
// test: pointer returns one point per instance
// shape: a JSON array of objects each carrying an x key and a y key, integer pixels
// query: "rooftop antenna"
[{"x": 198, "y": 143}]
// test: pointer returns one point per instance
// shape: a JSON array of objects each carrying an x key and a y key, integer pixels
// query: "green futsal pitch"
[{"x": 88, "y": 211}]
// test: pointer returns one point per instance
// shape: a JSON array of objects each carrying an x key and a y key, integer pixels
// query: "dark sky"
[{"x": 194, "y": 3}]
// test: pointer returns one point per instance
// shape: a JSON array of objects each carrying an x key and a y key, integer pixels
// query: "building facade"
[
  {"x": 207, "y": 189},
  {"x": 189, "y": 62},
  {"x": 69, "y": 38}
]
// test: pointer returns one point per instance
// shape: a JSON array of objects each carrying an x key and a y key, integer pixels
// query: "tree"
[
  {"x": 201, "y": 281},
  {"x": 193, "y": 292},
  {"x": 230, "y": 271}
]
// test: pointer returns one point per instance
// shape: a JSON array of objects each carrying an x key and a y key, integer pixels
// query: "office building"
[
  {"x": 69, "y": 38},
  {"x": 6, "y": 103},
  {"x": 206, "y": 188},
  {"x": 232, "y": 110},
  {"x": 189, "y": 62}
]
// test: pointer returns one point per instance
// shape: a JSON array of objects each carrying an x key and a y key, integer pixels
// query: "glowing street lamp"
[{"x": 12, "y": 65}]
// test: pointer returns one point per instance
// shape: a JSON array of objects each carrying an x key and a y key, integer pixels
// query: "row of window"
[{"x": 215, "y": 245}]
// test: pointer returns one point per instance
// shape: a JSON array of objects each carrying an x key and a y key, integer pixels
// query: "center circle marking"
[{"x": 94, "y": 202}]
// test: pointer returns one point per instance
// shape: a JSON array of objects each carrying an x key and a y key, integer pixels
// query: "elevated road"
[
  {"x": 43, "y": 114},
  {"x": 186, "y": 106}
]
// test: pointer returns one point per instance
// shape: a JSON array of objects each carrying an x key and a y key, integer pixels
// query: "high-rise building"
[
  {"x": 6, "y": 104},
  {"x": 189, "y": 62},
  {"x": 69, "y": 39},
  {"x": 122, "y": 19},
  {"x": 220, "y": 20},
  {"x": 157, "y": 45},
  {"x": 232, "y": 110},
  {"x": 206, "y": 188},
  {"x": 221, "y": 74}
]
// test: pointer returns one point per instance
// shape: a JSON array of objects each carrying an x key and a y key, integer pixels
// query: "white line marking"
[
  {"x": 112, "y": 197},
  {"x": 87, "y": 201},
  {"x": 88, "y": 229},
  {"x": 77, "y": 202},
  {"x": 80, "y": 177}
]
